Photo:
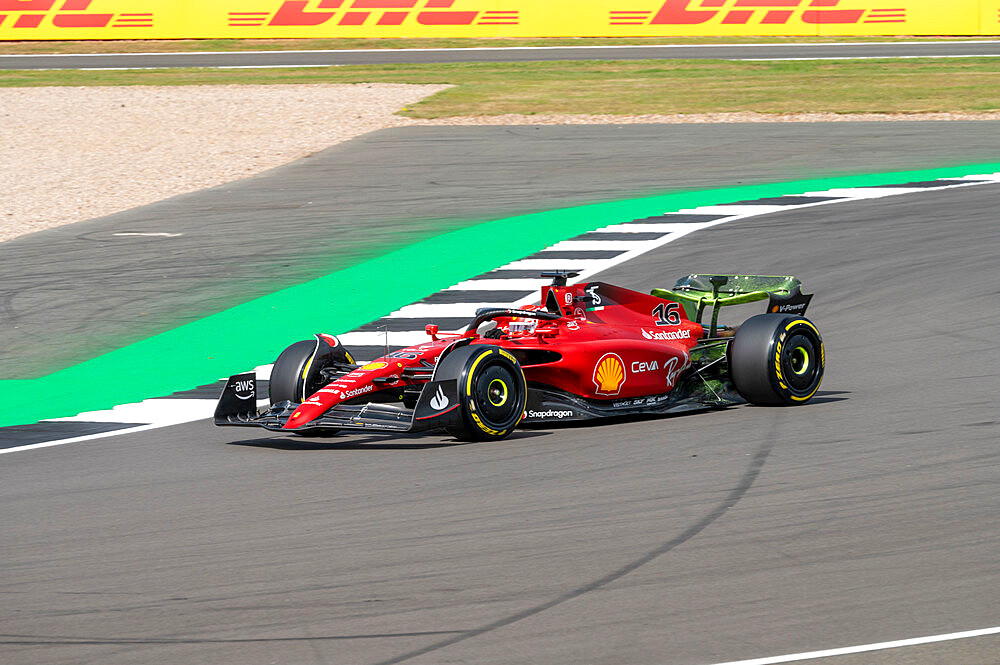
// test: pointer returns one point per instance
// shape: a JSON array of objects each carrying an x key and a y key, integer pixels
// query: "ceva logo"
[{"x": 761, "y": 12}]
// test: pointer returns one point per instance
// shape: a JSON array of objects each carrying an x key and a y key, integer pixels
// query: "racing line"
[{"x": 513, "y": 284}]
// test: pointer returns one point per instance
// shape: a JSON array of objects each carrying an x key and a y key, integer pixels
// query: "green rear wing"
[{"x": 697, "y": 292}]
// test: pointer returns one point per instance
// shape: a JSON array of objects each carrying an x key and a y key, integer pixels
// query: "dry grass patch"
[{"x": 627, "y": 87}]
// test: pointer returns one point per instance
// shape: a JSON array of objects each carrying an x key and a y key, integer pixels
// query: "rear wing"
[{"x": 697, "y": 292}]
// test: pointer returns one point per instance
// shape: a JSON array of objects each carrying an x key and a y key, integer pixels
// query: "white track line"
[
  {"x": 79, "y": 439},
  {"x": 595, "y": 47},
  {"x": 867, "y": 57},
  {"x": 129, "y": 69},
  {"x": 862, "y": 648}
]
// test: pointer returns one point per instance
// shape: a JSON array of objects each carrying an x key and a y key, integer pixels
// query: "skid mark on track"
[
  {"x": 64, "y": 640},
  {"x": 743, "y": 486}
]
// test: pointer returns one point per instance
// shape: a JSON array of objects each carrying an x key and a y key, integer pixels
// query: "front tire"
[
  {"x": 777, "y": 359},
  {"x": 286, "y": 382},
  {"x": 492, "y": 392}
]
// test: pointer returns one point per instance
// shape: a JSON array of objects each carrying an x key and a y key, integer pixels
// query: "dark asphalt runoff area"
[
  {"x": 869, "y": 515},
  {"x": 975, "y": 48},
  {"x": 71, "y": 293}
]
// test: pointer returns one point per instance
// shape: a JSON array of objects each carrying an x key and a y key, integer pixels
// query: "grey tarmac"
[
  {"x": 324, "y": 58},
  {"x": 870, "y": 514}
]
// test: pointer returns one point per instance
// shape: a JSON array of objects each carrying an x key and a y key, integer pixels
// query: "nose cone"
[{"x": 306, "y": 413}]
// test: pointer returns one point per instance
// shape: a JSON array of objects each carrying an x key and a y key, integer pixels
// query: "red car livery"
[{"x": 587, "y": 351}]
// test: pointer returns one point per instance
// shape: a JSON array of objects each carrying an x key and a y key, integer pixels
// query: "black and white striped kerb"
[{"x": 511, "y": 285}]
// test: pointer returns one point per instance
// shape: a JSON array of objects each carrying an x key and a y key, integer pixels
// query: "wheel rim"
[
  {"x": 798, "y": 363},
  {"x": 496, "y": 390},
  {"x": 800, "y": 360}
]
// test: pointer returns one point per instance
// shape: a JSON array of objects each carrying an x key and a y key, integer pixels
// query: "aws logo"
[
  {"x": 66, "y": 14},
  {"x": 371, "y": 13},
  {"x": 761, "y": 12}
]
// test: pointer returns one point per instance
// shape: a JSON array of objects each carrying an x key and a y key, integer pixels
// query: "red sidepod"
[{"x": 609, "y": 343}]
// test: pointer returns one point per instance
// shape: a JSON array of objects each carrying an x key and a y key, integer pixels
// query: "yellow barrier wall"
[{"x": 175, "y": 19}]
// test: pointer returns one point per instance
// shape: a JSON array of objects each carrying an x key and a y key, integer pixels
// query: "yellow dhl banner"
[{"x": 178, "y": 19}]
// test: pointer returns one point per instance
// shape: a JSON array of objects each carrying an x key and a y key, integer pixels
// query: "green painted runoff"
[{"x": 255, "y": 332}]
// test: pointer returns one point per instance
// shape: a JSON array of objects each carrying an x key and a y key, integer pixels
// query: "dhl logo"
[
  {"x": 66, "y": 14},
  {"x": 762, "y": 12},
  {"x": 371, "y": 13}
]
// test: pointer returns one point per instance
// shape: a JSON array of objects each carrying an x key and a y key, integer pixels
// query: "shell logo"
[{"x": 609, "y": 374}]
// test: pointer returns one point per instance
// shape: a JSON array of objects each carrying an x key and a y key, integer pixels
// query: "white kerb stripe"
[
  {"x": 878, "y": 646},
  {"x": 500, "y": 285},
  {"x": 442, "y": 310},
  {"x": 867, "y": 192},
  {"x": 666, "y": 227},
  {"x": 162, "y": 411},
  {"x": 378, "y": 338},
  {"x": 993, "y": 177},
  {"x": 560, "y": 264},
  {"x": 737, "y": 210},
  {"x": 591, "y": 245},
  {"x": 263, "y": 372}
]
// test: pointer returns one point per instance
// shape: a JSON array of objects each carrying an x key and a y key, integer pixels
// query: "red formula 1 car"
[{"x": 588, "y": 351}]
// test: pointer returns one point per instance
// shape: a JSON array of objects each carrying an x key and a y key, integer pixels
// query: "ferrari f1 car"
[{"x": 587, "y": 351}]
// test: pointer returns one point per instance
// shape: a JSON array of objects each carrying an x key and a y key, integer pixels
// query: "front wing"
[{"x": 238, "y": 407}]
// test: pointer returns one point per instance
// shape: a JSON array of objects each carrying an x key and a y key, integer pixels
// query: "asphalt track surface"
[
  {"x": 71, "y": 293},
  {"x": 947, "y": 49},
  {"x": 870, "y": 514}
]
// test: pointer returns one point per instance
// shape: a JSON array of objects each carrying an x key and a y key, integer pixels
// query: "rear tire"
[
  {"x": 777, "y": 359},
  {"x": 492, "y": 392}
]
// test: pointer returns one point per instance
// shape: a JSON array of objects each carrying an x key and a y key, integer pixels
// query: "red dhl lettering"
[
  {"x": 370, "y": 12},
  {"x": 740, "y": 12},
  {"x": 70, "y": 14}
]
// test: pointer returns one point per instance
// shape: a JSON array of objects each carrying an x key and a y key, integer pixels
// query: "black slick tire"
[
  {"x": 287, "y": 381},
  {"x": 777, "y": 359},
  {"x": 492, "y": 392}
]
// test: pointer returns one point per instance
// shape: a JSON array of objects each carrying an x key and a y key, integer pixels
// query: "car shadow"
[
  {"x": 386, "y": 441},
  {"x": 827, "y": 396}
]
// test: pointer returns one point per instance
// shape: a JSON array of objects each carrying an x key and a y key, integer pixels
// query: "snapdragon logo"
[
  {"x": 551, "y": 413},
  {"x": 660, "y": 334}
]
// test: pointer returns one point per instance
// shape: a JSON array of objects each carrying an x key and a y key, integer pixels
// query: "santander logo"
[
  {"x": 664, "y": 335},
  {"x": 440, "y": 401}
]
